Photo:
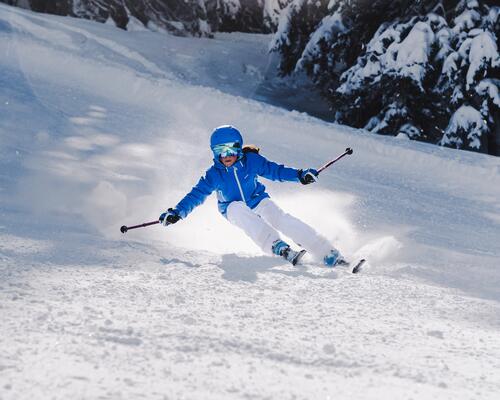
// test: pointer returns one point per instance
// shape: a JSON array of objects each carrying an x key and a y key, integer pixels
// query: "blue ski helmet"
[{"x": 226, "y": 140}]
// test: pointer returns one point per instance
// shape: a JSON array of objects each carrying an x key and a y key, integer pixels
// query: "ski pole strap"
[
  {"x": 124, "y": 228},
  {"x": 346, "y": 152}
]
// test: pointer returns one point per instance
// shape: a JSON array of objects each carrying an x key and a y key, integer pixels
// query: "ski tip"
[{"x": 357, "y": 268}]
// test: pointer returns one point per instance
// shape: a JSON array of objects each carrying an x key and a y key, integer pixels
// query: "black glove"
[
  {"x": 169, "y": 217},
  {"x": 308, "y": 176}
]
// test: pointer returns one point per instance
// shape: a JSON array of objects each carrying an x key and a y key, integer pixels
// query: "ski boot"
[
  {"x": 334, "y": 259},
  {"x": 282, "y": 249}
]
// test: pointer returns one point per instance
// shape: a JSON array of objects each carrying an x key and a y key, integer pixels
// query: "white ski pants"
[{"x": 263, "y": 223}]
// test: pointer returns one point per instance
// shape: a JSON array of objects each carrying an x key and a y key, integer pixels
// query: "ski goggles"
[{"x": 227, "y": 149}]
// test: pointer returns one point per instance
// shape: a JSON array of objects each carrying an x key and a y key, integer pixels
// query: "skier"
[{"x": 242, "y": 199}]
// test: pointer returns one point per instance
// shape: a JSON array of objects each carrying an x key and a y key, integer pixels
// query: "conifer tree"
[{"x": 403, "y": 67}]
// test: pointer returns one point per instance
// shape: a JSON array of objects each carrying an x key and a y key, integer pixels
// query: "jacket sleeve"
[
  {"x": 205, "y": 186},
  {"x": 271, "y": 170}
]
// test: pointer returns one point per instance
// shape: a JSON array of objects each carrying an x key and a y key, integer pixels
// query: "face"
[{"x": 228, "y": 160}]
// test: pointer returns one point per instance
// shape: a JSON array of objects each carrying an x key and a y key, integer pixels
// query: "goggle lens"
[{"x": 227, "y": 149}]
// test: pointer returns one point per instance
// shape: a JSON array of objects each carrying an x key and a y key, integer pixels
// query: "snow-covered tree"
[
  {"x": 297, "y": 23},
  {"x": 244, "y": 15},
  {"x": 178, "y": 17},
  {"x": 272, "y": 11},
  {"x": 197, "y": 17},
  {"x": 390, "y": 89},
  {"x": 326, "y": 37},
  {"x": 402, "y": 67},
  {"x": 467, "y": 130},
  {"x": 470, "y": 76}
]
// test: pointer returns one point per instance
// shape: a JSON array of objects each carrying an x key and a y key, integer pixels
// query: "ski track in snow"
[
  {"x": 233, "y": 327},
  {"x": 100, "y": 127}
]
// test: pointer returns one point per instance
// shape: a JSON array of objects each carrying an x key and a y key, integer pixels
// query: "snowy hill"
[{"x": 101, "y": 127}]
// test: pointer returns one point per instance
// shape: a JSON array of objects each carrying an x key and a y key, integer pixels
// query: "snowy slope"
[{"x": 100, "y": 127}]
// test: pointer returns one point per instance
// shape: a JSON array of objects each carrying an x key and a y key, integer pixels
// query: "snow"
[
  {"x": 483, "y": 51},
  {"x": 490, "y": 86},
  {"x": 469, "y": 120},
  {"x": 101, "y": 127},
  {"x": 284, "y": 21},
  {"x": 77, "y": 7},
  {"x": 272, "y": 11},
  {"x": 327, "y": 27},
  {"x": 382, "y": 56},
  {"x": 281, "y": 35},
  {"x": 110, "y": 21},
  {"x": 176, "y": 24},
  {"x": 409, "y": 58},
  {"x": 450, "y": 64},
  {"x": 204, "y": 27},
  {"x": 232, "y": 6},
  {"x": 466, "y": 20},
  {"x": 134, "y": 25},
  {"x": 493, "y": 14}
]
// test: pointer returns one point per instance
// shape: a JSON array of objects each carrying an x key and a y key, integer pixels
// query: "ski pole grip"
[{"x": 347, "y": 151}]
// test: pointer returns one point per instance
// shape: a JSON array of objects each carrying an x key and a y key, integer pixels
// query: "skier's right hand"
[{"x": 171, "y": 216}]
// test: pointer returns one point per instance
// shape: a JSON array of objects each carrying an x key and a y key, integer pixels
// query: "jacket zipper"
[{"x": 239, "y": 185}]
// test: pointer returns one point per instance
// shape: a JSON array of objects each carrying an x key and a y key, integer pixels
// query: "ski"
[
  {"x": 343, "y": 265},
  {"x": 297, "y": 257},
  {"x": 359, "y": 266}
]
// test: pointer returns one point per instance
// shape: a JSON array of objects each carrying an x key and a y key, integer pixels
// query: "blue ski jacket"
[{"x": 236, "y": 183}]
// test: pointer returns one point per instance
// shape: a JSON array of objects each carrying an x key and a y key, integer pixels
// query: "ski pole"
[
  {"x": 124, "y": 228},
  {"x": 346, "y": 152}
]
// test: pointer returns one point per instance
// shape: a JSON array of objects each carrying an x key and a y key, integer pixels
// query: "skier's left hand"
[
  {"x": 308, "y": 176},
  {"x": 169, "y": 217}
]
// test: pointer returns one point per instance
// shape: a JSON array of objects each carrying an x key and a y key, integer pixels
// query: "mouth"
[{"x": 227, "y": 161}]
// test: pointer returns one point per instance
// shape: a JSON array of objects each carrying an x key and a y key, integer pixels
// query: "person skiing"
[{"x": 243, "y": 200}]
